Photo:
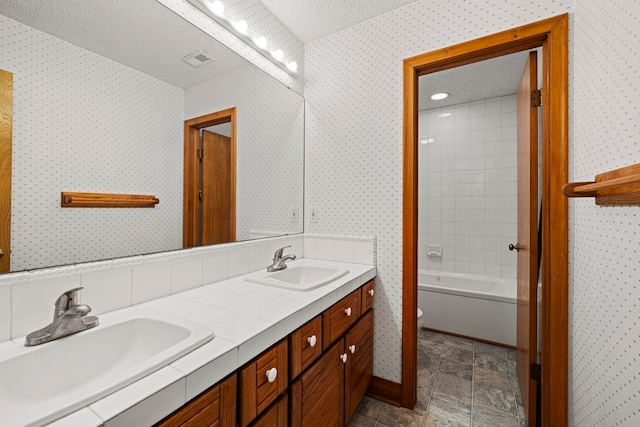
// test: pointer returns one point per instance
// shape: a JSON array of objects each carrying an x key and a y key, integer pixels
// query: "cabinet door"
[
  {"x": 262, "y": 381},
  {"x": 317, "y": 397},
  {"x": 276, "y": 416},
  {"x": 359, "y": 366},
  {"x": 214, "y": 407}
]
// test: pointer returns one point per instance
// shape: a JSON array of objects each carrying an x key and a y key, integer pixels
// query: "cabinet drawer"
[
  {"x": 276, "y": 416},
  {"x": 337, "y": 319},
  {"x": 216, "y": 406},
  {"x": 367, "y": 296},
  {"x": 305, "y": 346},
  {"x": 260, "y": 385}
]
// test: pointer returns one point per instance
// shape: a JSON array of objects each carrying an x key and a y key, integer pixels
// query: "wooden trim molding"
[
  {"x": 386, "y": 391},
  {"x": 6, "y": 142},
  {"x": 552, "y": 35},
  {"x": 106, "y": 200}
]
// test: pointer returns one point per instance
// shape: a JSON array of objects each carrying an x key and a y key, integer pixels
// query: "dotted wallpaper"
[
  {"x": 85, "y": 123},
  {"x": 270, "y": 146},
  {"x": 353, "y": 91},
  {"x": 604, "y": 241}
]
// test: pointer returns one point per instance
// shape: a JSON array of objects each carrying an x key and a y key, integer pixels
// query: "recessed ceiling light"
[
  {"x": 439, "y": 96},
  {"x": 445, "y": 114}
]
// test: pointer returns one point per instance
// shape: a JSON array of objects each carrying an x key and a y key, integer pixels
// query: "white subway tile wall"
[{"x": 468, "y": 187}]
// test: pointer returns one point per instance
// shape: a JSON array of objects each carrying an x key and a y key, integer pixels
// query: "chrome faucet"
[
  {"x": 69, "y": 317},
  {"x": 279, "y": 260}
]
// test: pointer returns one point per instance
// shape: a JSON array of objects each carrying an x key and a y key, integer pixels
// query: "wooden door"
[
  {"x": 317, "y": 397},
  {"x": 216, "y": 224},
  {"x": 359, "y": 366},
  {"x": 6, "y": 129},
  {"x": 527, "y": 236}
]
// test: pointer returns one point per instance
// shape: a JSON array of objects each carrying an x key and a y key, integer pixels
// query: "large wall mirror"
[{"x": 100, "y": 98}]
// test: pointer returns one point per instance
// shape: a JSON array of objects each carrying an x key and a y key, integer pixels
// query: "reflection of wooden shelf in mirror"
[
  {"x": 104, "y": 200},
  {"x": 619, "y": 187}
]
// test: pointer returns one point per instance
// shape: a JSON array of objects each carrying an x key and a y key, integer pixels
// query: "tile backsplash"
[{"x": 27, "y": 298}]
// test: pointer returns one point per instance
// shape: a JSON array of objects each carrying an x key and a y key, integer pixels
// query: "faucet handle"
[
  {"x": 279, "y": 252},
  {"x": 68, "y": 299}
]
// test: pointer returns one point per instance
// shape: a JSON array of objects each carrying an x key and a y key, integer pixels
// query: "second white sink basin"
[
  {"x": 300, "y": 278},
  {"x": 42, "y": 383}
]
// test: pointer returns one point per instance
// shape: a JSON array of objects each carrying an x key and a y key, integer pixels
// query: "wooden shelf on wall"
[
  {"x": 105, "y": 200},
  {"x": 619, "y": 187}
]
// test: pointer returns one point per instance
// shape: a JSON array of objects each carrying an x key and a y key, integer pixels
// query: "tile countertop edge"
[{"x": 219, "y": 358}]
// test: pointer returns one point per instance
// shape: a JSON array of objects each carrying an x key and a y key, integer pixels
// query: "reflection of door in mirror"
[
  {"x": 214, "y": 216},
  {"x": 6, "y": 128},
  {"x": 210, "y": 179}
]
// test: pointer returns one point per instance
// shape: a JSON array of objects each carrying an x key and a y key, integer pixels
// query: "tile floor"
[{"x": 460, "y": 383}]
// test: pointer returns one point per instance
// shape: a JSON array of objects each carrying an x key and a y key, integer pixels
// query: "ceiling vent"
[{"x": 198, "y": 59}]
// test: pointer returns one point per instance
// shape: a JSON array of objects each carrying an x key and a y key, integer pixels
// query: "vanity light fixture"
[
  {"x": 215, "y": 10},
  {"x": 439, "y": 96}
]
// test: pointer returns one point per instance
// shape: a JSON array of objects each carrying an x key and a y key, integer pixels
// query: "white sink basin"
[
  {"x": 45, "y": 382},
  {"x": 300, "y": 278}
]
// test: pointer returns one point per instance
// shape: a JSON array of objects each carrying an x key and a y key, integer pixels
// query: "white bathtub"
[{"x": 474, "y": 306}]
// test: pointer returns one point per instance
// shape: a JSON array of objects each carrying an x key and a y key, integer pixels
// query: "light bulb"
[
  {"x": 278, "y": 54},
  {"x": 261, "y": 42},
  {"x": 293, "y": 66},
  {"x": 241, "y": 26},
  {"x": 217, "y": 8}
]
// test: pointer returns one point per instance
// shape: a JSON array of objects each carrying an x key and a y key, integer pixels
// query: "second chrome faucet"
[{"x": 279, "y": 261}]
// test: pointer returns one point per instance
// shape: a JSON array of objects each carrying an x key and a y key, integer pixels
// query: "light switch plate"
[
  {"x": 294, "y": 214},
  {"x": 314, "y": 215}
]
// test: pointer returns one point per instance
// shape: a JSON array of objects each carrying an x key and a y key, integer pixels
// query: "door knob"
[
  {"x": 1, "y": 253},
  {"x": 516, "y": 247}
]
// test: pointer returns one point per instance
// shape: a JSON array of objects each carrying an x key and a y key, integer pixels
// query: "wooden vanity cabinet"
[
  {"x": 329, "y": 391},
  {"x": 214, "y": 407}
]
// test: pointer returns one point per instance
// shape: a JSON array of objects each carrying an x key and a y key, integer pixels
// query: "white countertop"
[{"x": 247, "y": 319}]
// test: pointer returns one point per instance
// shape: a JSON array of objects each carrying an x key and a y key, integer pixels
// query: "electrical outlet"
[
  {"x": 314, "y": 215},
  {"x": 294, "y": 215}
]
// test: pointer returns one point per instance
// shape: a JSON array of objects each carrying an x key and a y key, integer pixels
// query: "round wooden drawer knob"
[
  {"x": 272, "y": 374},
  {"x": 312, "y": 340}
]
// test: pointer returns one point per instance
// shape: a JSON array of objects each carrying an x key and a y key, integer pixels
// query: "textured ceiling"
[
  {"x": 480, "y": 80},
  {"x": 314, "y": 19},
  {"x": 143, "y": 35}
]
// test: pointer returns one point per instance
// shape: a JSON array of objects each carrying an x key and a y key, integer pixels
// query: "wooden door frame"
[
  {"x": 552, "y": 35},
  {"x": 6, "y": 141},
  {"x": 190, "y": 205}
]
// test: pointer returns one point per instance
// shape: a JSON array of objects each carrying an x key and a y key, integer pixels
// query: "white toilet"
[{"x": 420, "y": 321}]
